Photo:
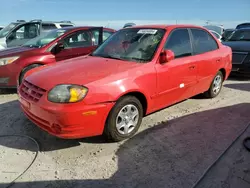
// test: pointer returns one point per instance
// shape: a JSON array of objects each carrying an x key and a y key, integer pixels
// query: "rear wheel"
[
  {"x": 215, "y": 86},
  {"x": 124, "y": 119},
  {"x": 26, "y": 69}
]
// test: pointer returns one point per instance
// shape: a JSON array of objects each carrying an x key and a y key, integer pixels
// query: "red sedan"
[{"x": 135, "y": 72}]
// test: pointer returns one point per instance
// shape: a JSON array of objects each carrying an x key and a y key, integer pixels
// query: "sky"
[{"x": 115, "y": 13}]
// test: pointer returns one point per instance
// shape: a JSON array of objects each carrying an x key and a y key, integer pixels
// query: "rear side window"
[
  {"x": 66, "y": 25},
  {"x": 179, "y": 42},
  {"x": 48, "y": 26},
  {"x": 203, "y": 41}
]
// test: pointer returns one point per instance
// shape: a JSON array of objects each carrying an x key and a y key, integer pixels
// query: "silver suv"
[{"x": 19, "y": 32}]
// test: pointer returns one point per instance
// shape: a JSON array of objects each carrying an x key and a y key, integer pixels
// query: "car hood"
[
  {"x": 241, "y": 46},
  {"x": 80, "y": 70},
  {"x": 13, "y": 51}
]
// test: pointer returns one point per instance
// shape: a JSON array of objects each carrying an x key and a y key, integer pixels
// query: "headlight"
[
  {"x": 8, "y": 60},
  {"x": 67, "y": 93}
]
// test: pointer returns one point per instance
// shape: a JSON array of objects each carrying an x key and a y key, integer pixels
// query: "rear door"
[
  {"x": 208, "y": 61},
  {"x": 79, "y": 43},
  {"x": 177, "y": 78},
  {"x": 23, "y": 33}
]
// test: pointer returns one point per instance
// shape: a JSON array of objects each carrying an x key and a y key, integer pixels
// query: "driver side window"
[{"x": 78, "y": 39}]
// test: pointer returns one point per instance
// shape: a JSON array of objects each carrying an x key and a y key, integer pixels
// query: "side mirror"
[
  {"x": 58, "y": 47},
  {"x": 166, "y": 56}
]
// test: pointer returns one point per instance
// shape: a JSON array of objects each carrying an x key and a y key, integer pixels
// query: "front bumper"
[{"x": 68, "y": 121}]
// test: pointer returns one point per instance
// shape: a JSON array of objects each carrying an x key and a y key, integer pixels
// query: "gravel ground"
[{"x": 172, "y": 149}]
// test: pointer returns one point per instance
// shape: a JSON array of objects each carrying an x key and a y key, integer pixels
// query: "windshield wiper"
[
  {"x": 136, "y": 59},
  {"x": 109, "y": 56}
]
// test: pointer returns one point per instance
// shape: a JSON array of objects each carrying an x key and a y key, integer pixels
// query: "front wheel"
[
  {"x": 215, "y": 86},
  {"x": 124, "y": 119}
]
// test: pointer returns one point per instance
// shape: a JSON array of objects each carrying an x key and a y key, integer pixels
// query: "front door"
[
  {"x": 22, "y": 34},
  {"x": 80, "y": 43},
  {"x": 176, "y": 79}
]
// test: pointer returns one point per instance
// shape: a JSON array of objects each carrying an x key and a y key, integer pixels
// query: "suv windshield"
[
  {"x": 131, "y": 44},
  {"x": 240, "y": 35},
  {"x": 7, "y": 29},
  {"x": 45, "y": 38}
]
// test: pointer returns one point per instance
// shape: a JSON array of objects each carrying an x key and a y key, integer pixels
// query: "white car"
[
  {"x": 217, "y": 35},
  {"x": 19, "y": 32}
]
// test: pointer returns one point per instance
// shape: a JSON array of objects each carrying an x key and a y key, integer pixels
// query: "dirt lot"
[{"x": 172, "y": 149}]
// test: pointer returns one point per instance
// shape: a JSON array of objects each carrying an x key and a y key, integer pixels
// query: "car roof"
[
  {"x": 243, "y": 29},
  {"x": 165, "y": 26},
  {"x": 47, "y": 22},
  {"x": 71, "y": 28}
]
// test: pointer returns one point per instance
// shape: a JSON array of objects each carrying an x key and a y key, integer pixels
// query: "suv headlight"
[
  {"x": 8, "y": 60},
  {"x": 67, "y": 93}
]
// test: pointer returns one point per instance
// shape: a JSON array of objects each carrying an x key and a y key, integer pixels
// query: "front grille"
[
  {"x": 239, "y": 57},
  {"x": 247, "y": 59},
  {"x": 31, "y": 91}
]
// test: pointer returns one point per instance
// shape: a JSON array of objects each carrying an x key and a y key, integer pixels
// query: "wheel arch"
[
  {"x": 140, "y": 96},
  {"x": 27, "y": 66},
  {"x": 223, "y": 71}
]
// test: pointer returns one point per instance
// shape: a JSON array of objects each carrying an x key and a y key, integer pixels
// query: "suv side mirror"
[{"x": 166, "y": 56}]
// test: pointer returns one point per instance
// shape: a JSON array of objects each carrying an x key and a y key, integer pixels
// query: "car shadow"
[
  {"x": 8, "y": 91},
  {"x": 240, "y": 86},
  {"x": 170, "y": 154}
]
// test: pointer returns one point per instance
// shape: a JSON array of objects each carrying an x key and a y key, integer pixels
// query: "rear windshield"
[
  {"x": 243, "y": 26},
  {"x": 66, "y": 25}
]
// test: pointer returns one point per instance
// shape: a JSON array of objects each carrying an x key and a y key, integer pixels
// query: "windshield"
[
  {"x": 45, "y": 38},
  {"x": 7, "y": 29},
  {"x": 132, "y": 44},
  {"x": 227, "y": 34},
  {"x": 240, "y": 35}
]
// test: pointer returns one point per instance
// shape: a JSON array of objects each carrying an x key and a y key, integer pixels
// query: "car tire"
[
  {"x": 216, "y": 86},
  {"x": 26, "y": 69},
  {"x": 124, "y": 119}
]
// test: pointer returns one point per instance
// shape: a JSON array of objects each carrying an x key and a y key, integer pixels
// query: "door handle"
[
  {"x": 218, "y": 60},
  {"x": 192, "y": 67}
]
